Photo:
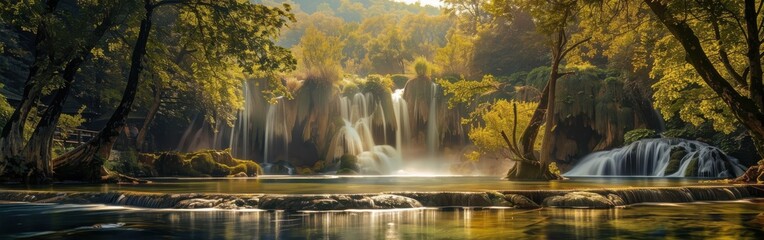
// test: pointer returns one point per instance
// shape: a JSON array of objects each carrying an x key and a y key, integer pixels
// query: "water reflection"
[{"x": 735, "y": 220}]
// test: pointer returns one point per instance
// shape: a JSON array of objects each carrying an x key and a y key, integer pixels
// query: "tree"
[
  {"x": 455, "y": 58},
  {"x": 737, "y": 83},
  {"x": 387, "y": 53},
  {"x": 472, "y": 14},
  {"x": 32, "y": 160},
  {"x": 501, "y": 116},
  {"x": 210, "y": 22},
  {"x": 554, "y": 19},
  {"x": 321, "y": 54}
]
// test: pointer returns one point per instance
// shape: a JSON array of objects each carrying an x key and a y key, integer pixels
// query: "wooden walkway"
[{"x": 76, "y": 137}]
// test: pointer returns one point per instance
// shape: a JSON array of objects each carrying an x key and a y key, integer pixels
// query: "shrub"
[{"x": 422, "y": 67}]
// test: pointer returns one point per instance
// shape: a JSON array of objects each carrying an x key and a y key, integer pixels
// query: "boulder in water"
[
  {"x": 386, "y": 201},
  {"x": 521, "y": 202},
  {"x": 582, "y": 200}
]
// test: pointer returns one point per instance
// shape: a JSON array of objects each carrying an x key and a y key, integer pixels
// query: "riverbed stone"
[
  {"x": 386, "y": 201},
  {"x": 196, "y": 203},
  {"x": 449, "y": 199},
  {"x": 498, "y": 199},
  {"x": 521, "y": 202},
  {"x": 579, "y": 200}
]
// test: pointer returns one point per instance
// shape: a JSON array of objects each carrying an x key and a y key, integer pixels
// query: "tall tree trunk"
[
  {"x": 86, "y": 161},
  {"x": 38, "y": 150},
  {"x": 528, "y": 139},
  {"x": 12, "y": 135},
  {"x": 139, "y": 140},
  {"x": 547, "y": 149},
  {"x": 745, "y": 109},
  {"x": 753, "y": 54}
]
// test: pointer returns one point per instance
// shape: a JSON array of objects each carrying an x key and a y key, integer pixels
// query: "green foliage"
[
  {"x": 455, "y": 58},
  {"x": 378, "y": 85},
  {"x": 465, "y": 91},
  {"x": 68, "y": 123},
  {"x": 538, "y": 77},
  {"x": 422, "y": 67},
  {"x": 320, "y": 55},
  {"x": 554, "y": 169},
  {"x": 638, "y": 134},
  {"x": 387, "y": 52},
  {"x": 490, "y": 120}
]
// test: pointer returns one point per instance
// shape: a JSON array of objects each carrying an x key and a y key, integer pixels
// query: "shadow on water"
[{"x": 732, "y": 220}]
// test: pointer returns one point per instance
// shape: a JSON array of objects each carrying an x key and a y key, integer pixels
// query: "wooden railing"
[{"x": 76, "y": 137}]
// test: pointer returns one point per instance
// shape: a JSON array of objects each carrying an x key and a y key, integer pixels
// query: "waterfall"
[
  {"x": 661, "y": 157},
  {"x": 276, "y": 127},
  {"x": 356, "y": 137},
  {"x": 432, "y": 123},
  {"x": 400, "y": 109}
]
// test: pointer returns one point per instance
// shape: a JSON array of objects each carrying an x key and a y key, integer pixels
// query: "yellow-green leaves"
[
  {"x": 464, "y": 91},
  {"x": 490, "y": 120}
]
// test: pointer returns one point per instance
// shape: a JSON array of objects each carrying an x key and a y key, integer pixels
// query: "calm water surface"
[
  {"x": 355, "y": 184},
  {"x": 731, "y": 220}
]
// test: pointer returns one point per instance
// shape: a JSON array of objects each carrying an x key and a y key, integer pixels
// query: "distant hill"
[{"x": 353, "y": 10}]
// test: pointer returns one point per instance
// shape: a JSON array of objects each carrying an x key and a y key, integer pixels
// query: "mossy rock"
[
  {"x": 692, "y": 168},
  {"x": 205, "y": 164},
  {"x": 173, "y": 164},
  {"x": 638, "y": 134},
  {"x": 675, "y": 160},
  {"x": 350, "y": 162},
  {"x": 202, "y": 163},
  {"x": 253, "y": 169}
]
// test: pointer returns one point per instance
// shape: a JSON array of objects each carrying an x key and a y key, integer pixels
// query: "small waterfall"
[
  {"x": 660, "y": 158},
  {"x": 276, "y": 128},
  {"x": 432, "y": 123},
  {"x": 400, "y": 109},
  {"x": 356, "y": 137}
]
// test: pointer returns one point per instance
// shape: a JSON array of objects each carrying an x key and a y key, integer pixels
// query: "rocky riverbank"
[{"x": 521, "y": 199}]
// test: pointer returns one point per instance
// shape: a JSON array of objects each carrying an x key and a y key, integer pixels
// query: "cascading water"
[
  {"x": 356, "y": 138},
  {"x": 432, "y": 123},
  {"x": 400, "y": 109},
  {"x": 659, "y": 158},
  {"x": 276, "y": 128}
]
